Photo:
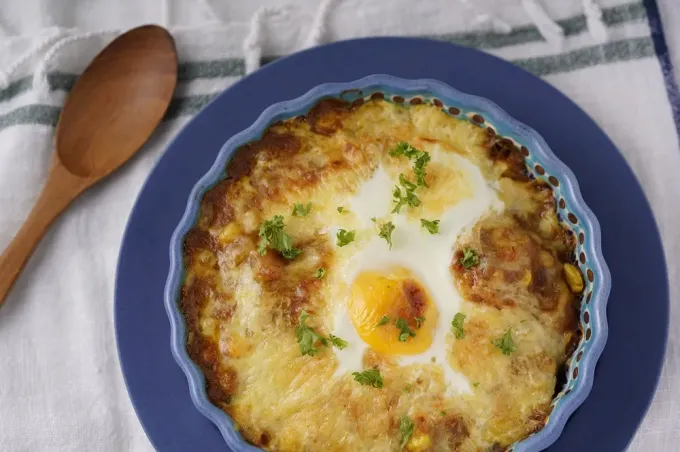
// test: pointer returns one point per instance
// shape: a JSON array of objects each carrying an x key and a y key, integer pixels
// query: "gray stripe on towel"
[
  {"x": 572, "y": 26},
  {"x": 611, "y": 52},
  {"x": 235, "y": 67}
]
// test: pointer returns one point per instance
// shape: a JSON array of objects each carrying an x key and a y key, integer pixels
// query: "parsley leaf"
[
  {"x": 404, "y": 331},
  {"x": 300, "y": 210},
  {"x": 475, "y": 384},
  {"x": 341, "y": 209},
  {"x": 306, "y": 336},
  {"x": 406, "y": 430},
  {"x": 405, "y": 149},
  {"x": 420, "y": 158},
  {"x": 320, "y": 273},
  {"x": 419, "y": 169},
  {"x": 340, "y": 343},
  {"x": 268, "y": 230},
  {"x": 407, "y": 198},
  {"x": 505, "y": 343},
  {"x": 373, "y": 219},
  {"x": 345, "y": 237},
  {"x": 470, "y": 258},
  {"x": 272, "y": 236},
  {"x": 420, "y": 320},
  {"x": 291, "y": 253},
  {"x": 431, "y": 226},
  {"x": 386, "y": 232},
  {"x": 407, "y": 184},
  {"x": 408, "y": 388},
  {"x": 370, "y": 377},
  {"x": 398, "y": 199},
  {"x": 457, "y": 324},
  {"x": 384, "y": 320}
]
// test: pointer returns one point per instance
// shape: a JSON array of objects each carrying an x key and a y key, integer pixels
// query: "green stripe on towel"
[
  {"x": 611, "y": 52},
  {"x": 572, "y": 26},
  {"x": 235, "y": 67}
]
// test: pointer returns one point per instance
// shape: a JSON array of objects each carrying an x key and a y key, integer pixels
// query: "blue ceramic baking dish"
[{"x": 541, "y": 163}]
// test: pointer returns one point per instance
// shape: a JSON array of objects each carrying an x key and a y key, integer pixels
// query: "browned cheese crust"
[{"x": 242, "y": 308}]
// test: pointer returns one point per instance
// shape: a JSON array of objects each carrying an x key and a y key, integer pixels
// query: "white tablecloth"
[{"x": 61, "y": 388}]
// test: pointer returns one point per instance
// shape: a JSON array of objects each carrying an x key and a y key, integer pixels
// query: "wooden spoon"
[{"x": 111, "y": 112}]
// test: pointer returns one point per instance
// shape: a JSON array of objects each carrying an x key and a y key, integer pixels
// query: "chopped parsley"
[
  {"x": 291, "y": 253},
  {"x": 470, "y": 258},
  {"x": 419, "y": 168},
  {"x": 300, "y": 210},
  {"x": 384, "y": 320},
  {"x": 373, "y": 219},
  {"x": 407, "y": 196},
  {"x": 320, "y": 273},
  {"x": 475, "y": 384},
  {"x": 405, "y": 149},
  {"x": 340, "y": 343},
  {"x": 306, "y": 337},
  {"x": 431, "y": 226},
  {"x": 420, "y": 160},
  {"x": 420, "y": 320},
  {"x": 272, "y": 236},
  {"x": 345, "y": 237},
  {"x": 403, "y": 198},
  {"x": 404, "y": 331},
  {"x": 407, "y": 184},
  {"x": 405, "y": 430},
  {"x": 386, "y": 232},
  {"x": 457, "y": 324},
  {"x": 505, "y": 343},
  {"x": 408, "y": 388},
  {"x": 442, "y": 412},
  {"x": 369, "y": 377}
]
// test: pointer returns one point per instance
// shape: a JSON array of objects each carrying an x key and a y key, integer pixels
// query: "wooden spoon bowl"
[{"x": 112, "y": 110}]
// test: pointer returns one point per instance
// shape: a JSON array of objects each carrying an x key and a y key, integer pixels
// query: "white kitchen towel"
[{"x": 61, "y": 388}]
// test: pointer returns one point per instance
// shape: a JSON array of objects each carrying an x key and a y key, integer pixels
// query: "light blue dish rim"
[{"x": 541, "y": 162}]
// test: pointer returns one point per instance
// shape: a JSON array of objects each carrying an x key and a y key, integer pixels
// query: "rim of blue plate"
[{"x": 575, "y": 390}]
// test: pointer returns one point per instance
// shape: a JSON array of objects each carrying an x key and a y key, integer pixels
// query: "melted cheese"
[{"x": 242, "y": 308}]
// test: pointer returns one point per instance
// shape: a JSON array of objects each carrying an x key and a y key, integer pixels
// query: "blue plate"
[
  {"x": 628, "y": 371},
  {"x": 541, "y": 164}
]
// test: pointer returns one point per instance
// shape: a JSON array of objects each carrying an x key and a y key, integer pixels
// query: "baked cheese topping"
[{"x": 380, "y": 277}]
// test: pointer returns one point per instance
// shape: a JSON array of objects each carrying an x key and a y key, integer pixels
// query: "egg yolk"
[{"x": 397, "y": 294}]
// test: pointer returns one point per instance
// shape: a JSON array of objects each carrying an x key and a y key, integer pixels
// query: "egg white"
[{"x": 427, "y": 256}]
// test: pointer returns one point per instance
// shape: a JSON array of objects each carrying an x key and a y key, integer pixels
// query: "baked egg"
[{"x": 381, "y": 276}]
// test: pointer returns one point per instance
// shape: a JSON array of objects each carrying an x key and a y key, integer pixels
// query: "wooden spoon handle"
[{"x": 61, "y": 188}]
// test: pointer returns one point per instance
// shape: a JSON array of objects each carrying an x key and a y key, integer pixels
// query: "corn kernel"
[
  {"x": 526, "y": 279},
  {"x": 574, "y": 278},
  {"x": 229, "y": 232},
  {"x": 419, "y": 443}
]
